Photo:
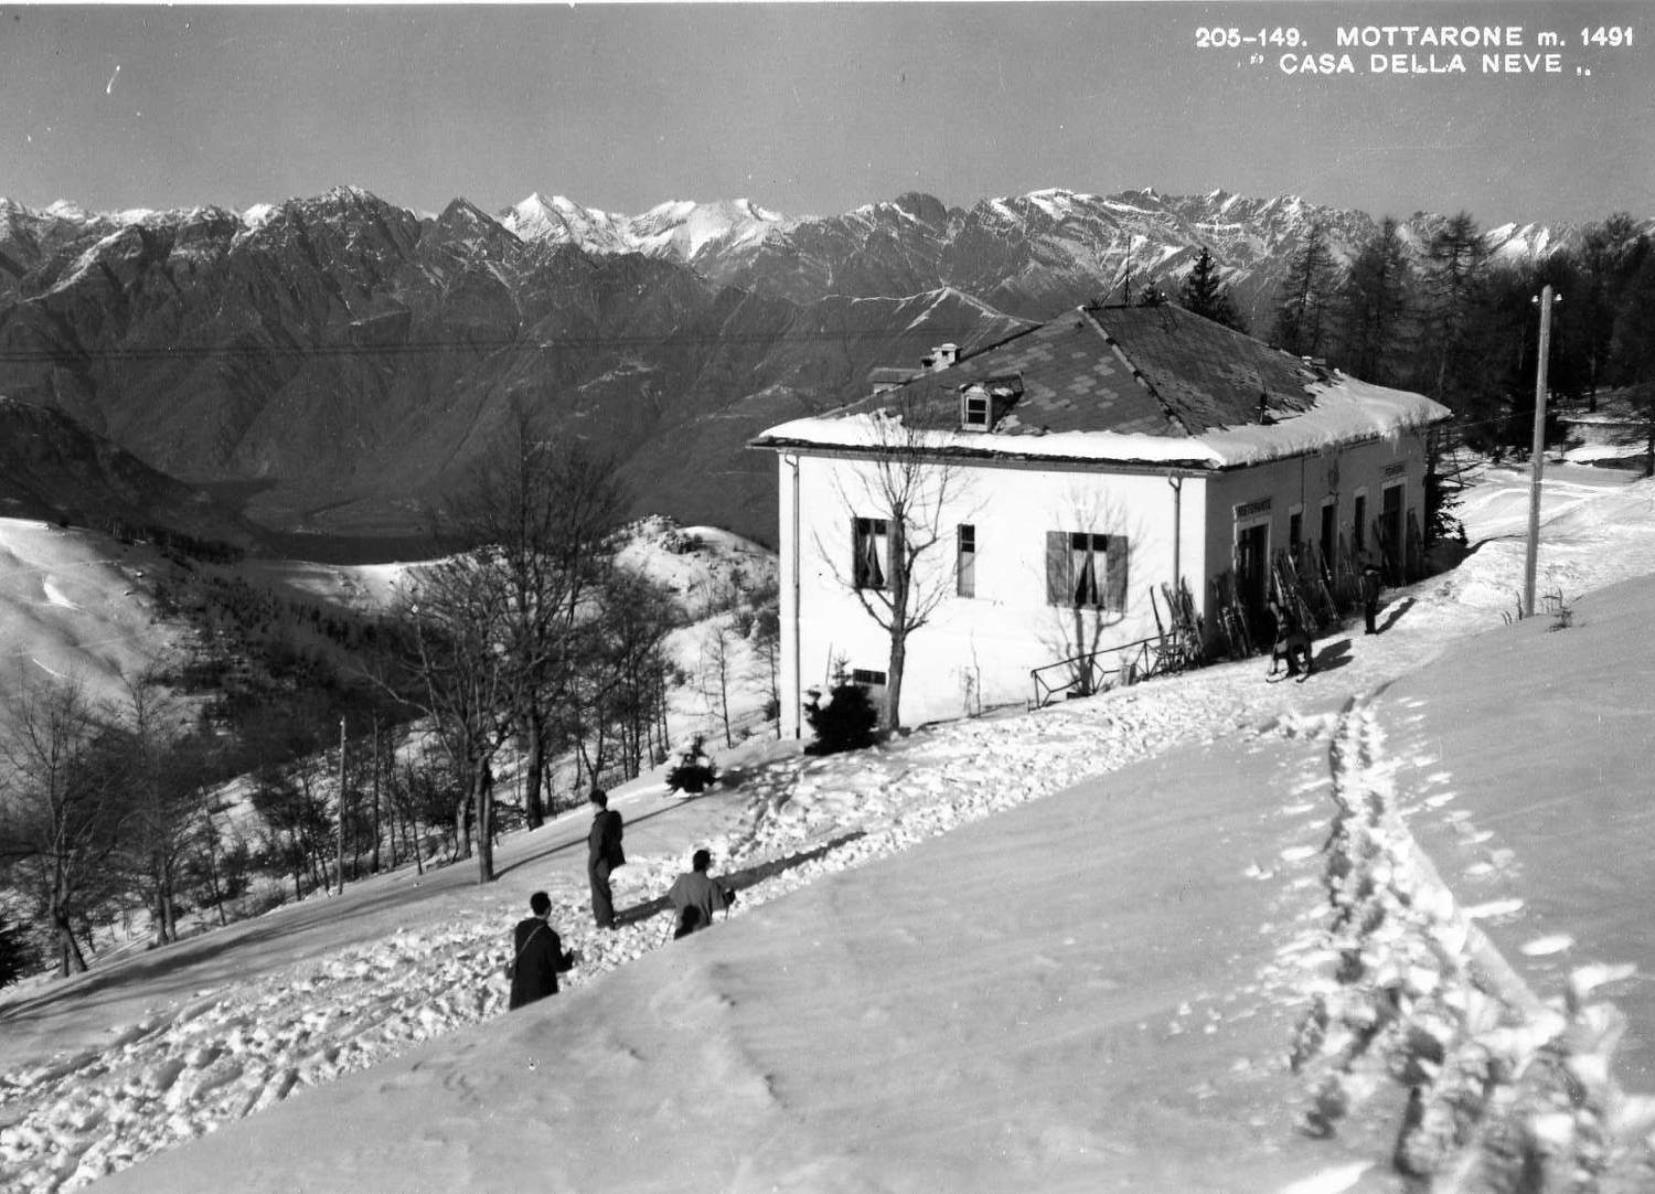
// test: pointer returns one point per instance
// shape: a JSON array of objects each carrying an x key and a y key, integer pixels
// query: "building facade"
[{"x": 1052, "y": 491}]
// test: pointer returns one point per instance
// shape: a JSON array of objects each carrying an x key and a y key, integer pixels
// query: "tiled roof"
[
  {"x": 1139, "y": 386},
  {"x": 1136, "y": 370}
]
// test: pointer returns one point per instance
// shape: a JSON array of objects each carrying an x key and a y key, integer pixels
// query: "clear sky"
[{"x": 817, "y": 108}]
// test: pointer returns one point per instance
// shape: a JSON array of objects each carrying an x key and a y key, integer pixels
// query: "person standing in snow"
[
  {"x": 695, "y": 897},
  {"x": 539, "y": 956},
  {"x": 603, "y": 855},
  {"x": 1371, "y": 584}
]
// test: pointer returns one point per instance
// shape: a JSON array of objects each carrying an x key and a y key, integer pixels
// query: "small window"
[
  {"x": 965, "y": 568},
  {"x": 1329, "y": 542},
  {"x": 975, "y": 410},
  {"x": 867, "y": 676},
  {"x": 1359, "y": 531},
  {"x": 1295, "y": 533},
  {"x": 871, "y": 553},
  {"x": 1085, "y": 570}
]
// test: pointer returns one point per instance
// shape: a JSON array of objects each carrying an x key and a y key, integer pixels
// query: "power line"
[{"x": 475, "y": 345}]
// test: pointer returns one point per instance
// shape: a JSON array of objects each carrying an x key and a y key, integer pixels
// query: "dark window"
[
  {"x": 1330, "y": 532},
  {"x": 1295, "y": 533},
  {"x": 975, "y": 410},
  {"x": 872, "y": 679},
  {"x": 872, "y": 553},
  {"x": 1390, "y": 526},
  {"x": 1359, "y": 531},
  {"x": 1085, "y": 570},
  {"x": 966, "y": 564}
]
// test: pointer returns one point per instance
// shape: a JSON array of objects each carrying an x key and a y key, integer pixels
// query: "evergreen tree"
[
  {"x": 1205, "y": 295},
  {"x": 17, "y": 955},
  {"x": 1608, "y": 261},
  {"x": 1632, "y": 343},
  {"x": 1455, "y": 263},
  {"x": 1302, "y": 325},
  {"x": 1374, "y": 309},
  {"x": 847, "y": 722}
]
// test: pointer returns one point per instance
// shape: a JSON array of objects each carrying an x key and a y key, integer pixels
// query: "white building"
[{"x": 1072, "y": 475}]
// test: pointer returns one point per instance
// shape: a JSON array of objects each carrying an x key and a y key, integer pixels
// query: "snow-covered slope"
[{"x": 982, "y": 976}]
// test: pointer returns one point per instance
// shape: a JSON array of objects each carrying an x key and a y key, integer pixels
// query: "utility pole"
[
  {"x": 340, "y": 836},
  {"x": 1537, "y": 455},
  {"x": 374, "y": 868}
]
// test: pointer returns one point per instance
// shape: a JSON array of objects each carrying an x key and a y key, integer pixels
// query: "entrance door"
[
  {"x": 1253, "y": 566},
  {"x": 1390, "y": 533}
]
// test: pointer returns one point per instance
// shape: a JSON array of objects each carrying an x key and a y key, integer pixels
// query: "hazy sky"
[{"x": 815, "y": 109}]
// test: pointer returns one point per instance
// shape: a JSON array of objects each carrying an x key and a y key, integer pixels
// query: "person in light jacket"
[
  {"x": 695, "y": 897},
  {"x": 603, "y": 855}
]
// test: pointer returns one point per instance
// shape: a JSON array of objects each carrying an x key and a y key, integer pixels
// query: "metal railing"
[{"x": 1092, "y": 673}]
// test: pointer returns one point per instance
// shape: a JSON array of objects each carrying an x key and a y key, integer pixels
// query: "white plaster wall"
[
  {"x": 976, "y": 652},
  {"x": 1307, "y": 480}
]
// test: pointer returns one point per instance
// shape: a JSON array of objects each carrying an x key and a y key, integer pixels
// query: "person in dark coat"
[
  {"x": 603, "y": 855},
  {"x": 539, "y": 956},
  {"x": 695, "y": 897},
  {"x": 1292, "y": 644},
  {"x": 1372, "y": 582}
]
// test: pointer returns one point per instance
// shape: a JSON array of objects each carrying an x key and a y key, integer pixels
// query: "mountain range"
[{"x": 335, "y": 364}]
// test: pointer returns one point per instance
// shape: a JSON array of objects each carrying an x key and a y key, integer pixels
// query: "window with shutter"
[
  {"x": 1085, "y": 570},
  {"x": 870, "y": 553}
]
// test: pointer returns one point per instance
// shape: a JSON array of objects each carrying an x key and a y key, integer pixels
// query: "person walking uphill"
[
  {"x": 538, "y": 956},
  {"x": 695, "y": 897},
  {"x": 603, "y": 855}
]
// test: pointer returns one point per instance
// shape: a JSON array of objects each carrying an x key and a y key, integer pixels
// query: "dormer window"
[{"x": 984, "y": 402}]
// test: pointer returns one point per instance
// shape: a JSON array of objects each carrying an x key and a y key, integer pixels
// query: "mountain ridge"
[{"x": 346, "y": 361}]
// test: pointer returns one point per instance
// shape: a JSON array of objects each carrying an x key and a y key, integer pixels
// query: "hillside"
[{"x": 1066, "y": 950}]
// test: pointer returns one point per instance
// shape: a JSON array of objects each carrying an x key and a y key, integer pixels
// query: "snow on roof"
[{"x": 1131, "y": 386}]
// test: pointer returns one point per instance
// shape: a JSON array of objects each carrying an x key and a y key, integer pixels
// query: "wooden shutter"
[
  {"x": 1057, "y": 569},
  {"x": 1115, "y": 573}
]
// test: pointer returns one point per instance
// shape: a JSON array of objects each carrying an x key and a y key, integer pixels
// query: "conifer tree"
[
  {"x": 1302, "y": 308},
  {"x": 17, "y": 956},
  {"x": 1374, "y": 308},
  {"x": 1204, "y": 294},
  {"x": 1455, "y": 262}
]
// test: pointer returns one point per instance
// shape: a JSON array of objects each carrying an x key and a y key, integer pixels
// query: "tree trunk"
[
  {"x": 534, "y": 771},
  {"x": 462, "y": 826},
  {"x": 70, "y": 959},
  {"x": 482, "y": 788},
  {"x": 890, "y": 716}
]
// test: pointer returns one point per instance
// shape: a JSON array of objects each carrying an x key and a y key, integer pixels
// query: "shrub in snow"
[
  {"x": 694, "y": 772},
  {"x": 846, "y": 722}
]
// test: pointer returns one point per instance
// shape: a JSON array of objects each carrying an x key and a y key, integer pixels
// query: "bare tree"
[
  {"x": 60, "y": 814},
  {"x": 541, "y": 514},
  {"x": 461, "y": 637},
  {"x": 149, "y": 746},
  {"x": 718, "y": 641},
  {"x": 624, "y": 674},
  {"x": 897, "y": 503}
]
